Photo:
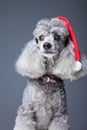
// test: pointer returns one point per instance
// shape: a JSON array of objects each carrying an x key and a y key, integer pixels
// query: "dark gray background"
[{"x": 17, "y": 21}]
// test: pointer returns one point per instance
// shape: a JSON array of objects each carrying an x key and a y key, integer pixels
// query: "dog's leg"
[
  {"x": 25, "y": 119},
  {"x": 59, "y": 123},
  {"x": 60, "y": 117}
]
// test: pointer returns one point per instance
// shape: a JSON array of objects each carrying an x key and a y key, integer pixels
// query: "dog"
[{"x": 47, "y": 60}]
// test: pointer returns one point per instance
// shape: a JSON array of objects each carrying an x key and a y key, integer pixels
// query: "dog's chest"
[
  {"x": 45, "y": 108},
  {"x": 49, "y": 64}
]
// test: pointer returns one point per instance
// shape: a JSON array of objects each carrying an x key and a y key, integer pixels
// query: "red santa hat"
[{"x": 78, "y": 64}]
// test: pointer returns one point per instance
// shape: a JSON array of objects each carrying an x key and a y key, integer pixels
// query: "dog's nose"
[{"x": 46, "y": 45}]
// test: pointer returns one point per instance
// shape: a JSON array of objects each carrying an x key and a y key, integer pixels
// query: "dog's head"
[
  {"x": 51, "y": 36},
  {"x": 51, "y": 51}
]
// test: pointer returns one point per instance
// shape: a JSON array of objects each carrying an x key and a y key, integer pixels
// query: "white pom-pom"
[{"x": 78, "y": 66}]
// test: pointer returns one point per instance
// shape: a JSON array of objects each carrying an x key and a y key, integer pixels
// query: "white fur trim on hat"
[{"x": 78, "y": 66}]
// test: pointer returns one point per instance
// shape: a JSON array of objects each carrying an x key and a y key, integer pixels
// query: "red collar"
[{"x": 51, "y": 79}]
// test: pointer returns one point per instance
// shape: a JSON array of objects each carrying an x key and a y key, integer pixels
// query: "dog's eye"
[
  {"x": 41, "y": 38},
  {"x": 56, "y": 37}
]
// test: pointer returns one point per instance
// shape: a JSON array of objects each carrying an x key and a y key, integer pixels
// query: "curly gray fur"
[{"x": 44, "y": 104}]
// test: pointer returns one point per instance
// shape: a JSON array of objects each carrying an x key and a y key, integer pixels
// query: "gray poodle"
[{"x": 47, "y": 60}]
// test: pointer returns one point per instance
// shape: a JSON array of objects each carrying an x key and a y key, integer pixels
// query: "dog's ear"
[
  {"x": 66, "y": 66},
  {"x": 30, "y": 63}
]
